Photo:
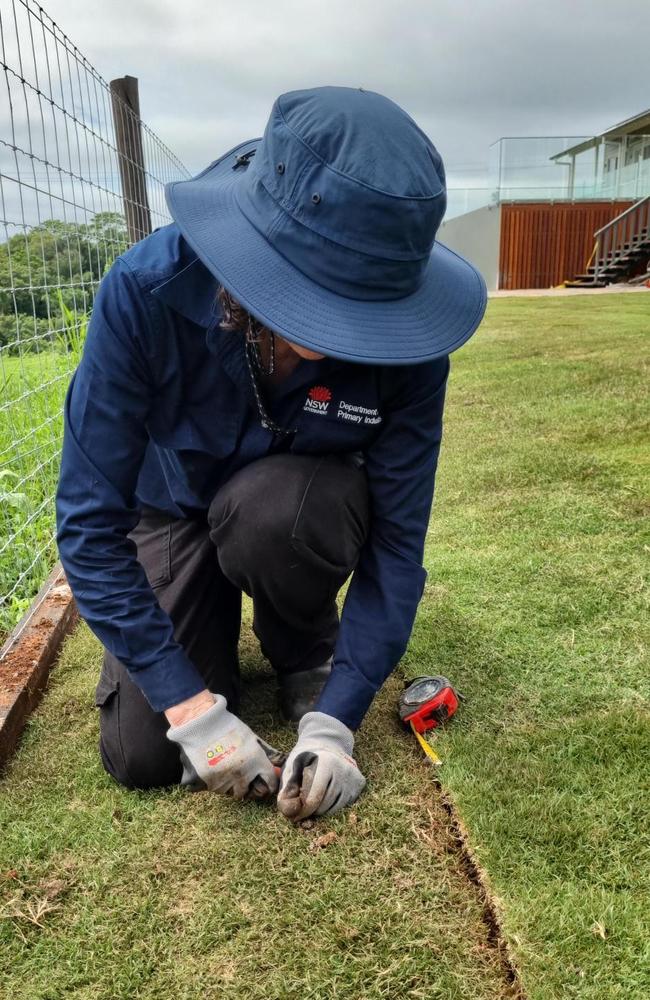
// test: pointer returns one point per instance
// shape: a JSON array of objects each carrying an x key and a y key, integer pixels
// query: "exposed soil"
[
  {"x": 28, "y": 655},
  {"x": 18, "y": 665}
]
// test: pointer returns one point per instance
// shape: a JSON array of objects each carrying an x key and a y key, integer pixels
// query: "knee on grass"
[{"x": 138, "y": 768}]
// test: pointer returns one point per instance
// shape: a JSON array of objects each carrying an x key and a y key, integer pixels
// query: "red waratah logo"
[{"x": 320, "y": 394}]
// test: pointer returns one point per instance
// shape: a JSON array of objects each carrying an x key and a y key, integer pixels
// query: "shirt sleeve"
[
  {"x": 388, "y": 582},
  {"x": 104, "y": 441}
]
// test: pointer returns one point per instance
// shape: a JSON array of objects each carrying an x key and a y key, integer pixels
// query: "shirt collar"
[
  {"x": 228, "y": 346},
  {"x": 192, "y": 292}
]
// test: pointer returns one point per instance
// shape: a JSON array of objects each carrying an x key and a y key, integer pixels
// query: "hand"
[
  {"x": 221, "y": 753},
  {"x": 320, "y": 777}
]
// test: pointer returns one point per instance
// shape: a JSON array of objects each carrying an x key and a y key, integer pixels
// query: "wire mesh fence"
[{"x": 81, "y": 177}]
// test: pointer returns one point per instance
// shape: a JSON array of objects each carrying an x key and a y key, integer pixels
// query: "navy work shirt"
[{"x": 160, "y": 412}]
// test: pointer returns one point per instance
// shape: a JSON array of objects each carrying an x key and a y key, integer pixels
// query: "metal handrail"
[
  {"x": 627, "y": 211},
  {"x": 611, "y": 238}
]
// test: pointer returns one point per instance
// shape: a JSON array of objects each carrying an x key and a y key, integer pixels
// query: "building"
[
  {"x": 615, "y": 164},
  {"x": 549, "y": 214}
]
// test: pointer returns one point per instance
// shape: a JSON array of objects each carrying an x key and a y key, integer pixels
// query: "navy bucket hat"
[{"x": 324, "y": 230}]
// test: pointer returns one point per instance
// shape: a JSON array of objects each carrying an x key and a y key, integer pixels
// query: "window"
[{"x": 633, "y": 152}]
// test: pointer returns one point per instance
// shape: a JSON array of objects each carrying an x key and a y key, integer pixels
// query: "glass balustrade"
[{"x": 556, "y": 168}]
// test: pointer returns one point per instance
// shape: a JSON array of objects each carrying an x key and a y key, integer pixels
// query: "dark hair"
[{"x": 234, "y": 316}]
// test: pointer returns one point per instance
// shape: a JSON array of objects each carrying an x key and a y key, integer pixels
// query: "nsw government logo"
[{"x": 318, "y": 399}]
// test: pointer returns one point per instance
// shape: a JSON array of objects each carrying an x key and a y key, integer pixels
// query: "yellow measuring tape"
[{"x": 428, "y": 749}]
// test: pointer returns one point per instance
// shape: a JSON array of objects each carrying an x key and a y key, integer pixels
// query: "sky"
[{"x": 468, "y": 72}]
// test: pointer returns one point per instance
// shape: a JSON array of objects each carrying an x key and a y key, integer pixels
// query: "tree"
[{"x": 56, "y": 255}]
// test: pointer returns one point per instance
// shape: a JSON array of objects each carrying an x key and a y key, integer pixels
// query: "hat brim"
[{"x": 436, "y": 319}]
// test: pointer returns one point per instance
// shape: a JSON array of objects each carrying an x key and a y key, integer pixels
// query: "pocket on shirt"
[{"x": 194, "y": 474}]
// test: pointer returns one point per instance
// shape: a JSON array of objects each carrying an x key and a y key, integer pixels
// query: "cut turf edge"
[{"x": 460, "y": 841}]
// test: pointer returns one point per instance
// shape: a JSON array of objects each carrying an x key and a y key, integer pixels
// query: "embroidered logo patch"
[
  {"x": 318, "y": 399},
  {"x": 354, "y": 413}
]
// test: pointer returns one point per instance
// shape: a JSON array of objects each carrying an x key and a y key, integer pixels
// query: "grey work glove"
[
  {"x": 221, "y": 753},
  {"x": 320, "y": 776}
]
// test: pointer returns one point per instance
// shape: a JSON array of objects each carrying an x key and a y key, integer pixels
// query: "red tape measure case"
[{"x": 427, "y": 702}]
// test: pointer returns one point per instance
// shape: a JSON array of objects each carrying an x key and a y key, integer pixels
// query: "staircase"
[{"x": 621, "y": 251}]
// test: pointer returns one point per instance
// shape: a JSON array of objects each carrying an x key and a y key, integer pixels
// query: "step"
[
  {"x": 624, "y": 253},
  {"x": 611, "y": 269},
  {"x": 634, "y": 244},
  {"x": 616, "y": 264},
  {"x": 627, "y": 248},
  {"x": 585, "y": 280},
  {"x": 585, "y": 284}
]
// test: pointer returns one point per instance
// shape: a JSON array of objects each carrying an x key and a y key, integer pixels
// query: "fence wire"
[{"x": 65, "y": 218}]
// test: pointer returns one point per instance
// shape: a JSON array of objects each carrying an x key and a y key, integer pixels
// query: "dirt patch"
[
  {"x": 323, "y": 841},
  {"x": 58, "y": 596},
  {"x": 17, "y": 667},
  {"x": 28, "y": 655}
]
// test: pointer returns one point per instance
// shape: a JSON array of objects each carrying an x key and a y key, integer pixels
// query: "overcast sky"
[{"x": 468, "y": 71}]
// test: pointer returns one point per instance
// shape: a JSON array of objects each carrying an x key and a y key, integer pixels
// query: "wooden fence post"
[{"x": 128, "y": 137}]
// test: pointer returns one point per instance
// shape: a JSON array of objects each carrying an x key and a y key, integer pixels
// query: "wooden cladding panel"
[{"x": 544, "y": 244}]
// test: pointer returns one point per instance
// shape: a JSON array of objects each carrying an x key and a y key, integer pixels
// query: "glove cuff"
[
  {"x": 202, "y": 726},
  {"x": 318, "y": 725}
]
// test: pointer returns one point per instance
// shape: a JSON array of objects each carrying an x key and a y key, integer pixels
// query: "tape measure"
[
  {"x": 427, "y": 702},
  {"x": 424, "y": 704}
]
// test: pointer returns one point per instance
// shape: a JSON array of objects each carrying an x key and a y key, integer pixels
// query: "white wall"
[{"x": 476, "y": 236}]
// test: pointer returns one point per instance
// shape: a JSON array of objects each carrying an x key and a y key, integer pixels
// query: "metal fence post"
[{"x": 128, "y": 139}]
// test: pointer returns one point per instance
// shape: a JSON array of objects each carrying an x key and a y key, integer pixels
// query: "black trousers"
[{"x": 287, "y": 531}]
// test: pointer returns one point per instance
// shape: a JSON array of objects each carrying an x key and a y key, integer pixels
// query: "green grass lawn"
[
  {"x": 32, "y": 390},
  {"x": 535, "y": 607},
  {"x": 174, "y": 896}
]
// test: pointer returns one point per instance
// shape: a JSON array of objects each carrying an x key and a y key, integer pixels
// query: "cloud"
[{"x": 468, "y": 72}]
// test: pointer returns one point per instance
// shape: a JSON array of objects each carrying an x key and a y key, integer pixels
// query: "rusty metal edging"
[{"x": 28, "y": 655}]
